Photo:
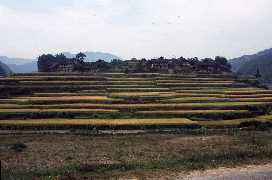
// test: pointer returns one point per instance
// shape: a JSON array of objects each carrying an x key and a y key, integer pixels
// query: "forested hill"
[
  {"x": 4, "y": 69},
  {"x": 248, "y": 65}
]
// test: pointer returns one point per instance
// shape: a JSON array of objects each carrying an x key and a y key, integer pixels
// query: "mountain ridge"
[
  {"x": 4, "y": 69},
  {"x": 248, "y": 65}
]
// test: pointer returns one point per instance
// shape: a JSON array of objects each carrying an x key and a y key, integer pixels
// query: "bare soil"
[{"x": 55, "y": 151}]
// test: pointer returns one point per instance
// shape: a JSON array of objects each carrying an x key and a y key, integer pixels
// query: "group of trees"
[{"x": 51, "y": 63}]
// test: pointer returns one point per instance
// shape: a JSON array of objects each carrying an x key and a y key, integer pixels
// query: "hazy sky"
[{"x": 135, "y": 28}]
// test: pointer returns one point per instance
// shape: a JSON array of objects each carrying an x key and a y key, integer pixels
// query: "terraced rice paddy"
[{"x": 58, "y": 100}]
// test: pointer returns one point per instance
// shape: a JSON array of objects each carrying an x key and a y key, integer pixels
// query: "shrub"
[{"x": 256, "y": 124}]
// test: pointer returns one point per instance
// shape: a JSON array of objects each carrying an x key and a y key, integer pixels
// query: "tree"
[
  {"x": 221, "y": 60},
  {"x": 258, "y": 74},
  {"x": 222, "y": 63},
  {"x": 80, "y": 57},
  {"x": 60, "y": 57},
  {"x": 45, "y": 61}
]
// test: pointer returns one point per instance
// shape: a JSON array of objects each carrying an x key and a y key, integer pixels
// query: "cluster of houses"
[{"x": 159, "y": 65}]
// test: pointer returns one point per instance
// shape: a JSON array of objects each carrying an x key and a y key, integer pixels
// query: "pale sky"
[{"x": 135, "y": 28}]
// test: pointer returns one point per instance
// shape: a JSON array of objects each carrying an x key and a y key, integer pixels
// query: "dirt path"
[{"x": 263, "y": 172}]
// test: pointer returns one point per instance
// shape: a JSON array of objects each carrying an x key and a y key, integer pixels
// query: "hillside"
[
  {"x": 4, "y": 69},
  {"x": 248, "y": 65}
]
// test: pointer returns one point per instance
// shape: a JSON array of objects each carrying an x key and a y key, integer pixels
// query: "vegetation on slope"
[{"x": 249, "y": 64}]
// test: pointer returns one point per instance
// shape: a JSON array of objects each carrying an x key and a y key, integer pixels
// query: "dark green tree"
[
  {"x": 60, "y": 57},
  {"x": 80, "y": 57},
  {"x": 45, "y": 61}
]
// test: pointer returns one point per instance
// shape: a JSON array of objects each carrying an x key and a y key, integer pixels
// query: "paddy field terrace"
[{"x": 57, "y": 101}]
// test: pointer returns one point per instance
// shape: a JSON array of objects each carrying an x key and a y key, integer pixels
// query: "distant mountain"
[
  {"x": 24, "y": 68},
  {"x": 20, "y": 65},
  {"x": 248, "y": 65},
  {"x": 94, "y": 56},
  {"x": 4, "y": 69}
]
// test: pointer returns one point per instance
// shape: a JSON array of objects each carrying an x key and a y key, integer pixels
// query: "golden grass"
[
  {"x": 220, "y": 97},
  {"x": 247, "y": 95},
  {"x": 199, "y": 95},
  {"x": 87, "y": 85},
  {"x": 191, "y": 81},
  {"x": 54, "y": 110},
  {"x": 218, "y": 90},
  {"x": 199, "y": 83},
  {"x": 261, "y": 99},
  {"x": 139, "y": 106},
  {"x": 125, "y": 86},
  {"x": 58, "y": 77},
  {"x": 243, "y": 89},
  {"x": 184, "y": 112},
  {"x": 60, "y": 82},
  {"x": 57, "y": 94},
  {"x": 189, "y": 99},
  {"x": 27, "y": 78},
  {"x": 85, "y": 82},
  {"x": 92, "y": 91},
  {"x": 235, "y": 122},
  {"x": 15, "y": 100},
  {"x": 200, "y": 91},
  {"x": 10, "y": 106},
  {"x": 138, "y": 89},
  {"x": 133, "y": 94},
  {"x": 97, "y": 122},
  {"x": 267, "y": 117},
  {"x": 238, "y": 92},
  {"x": 128, "y": 79},
  {"x": 68, "y": 98}
]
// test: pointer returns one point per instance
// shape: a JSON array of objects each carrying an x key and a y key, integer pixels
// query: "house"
[
  {"x": 132, "y": 65},
  {"x": 65, "y": 67}
]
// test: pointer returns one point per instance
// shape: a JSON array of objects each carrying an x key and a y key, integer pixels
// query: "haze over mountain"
[
  {"x": 94, "y": 56},
  {"x": 21, "y": 65},
  {"x": 248, "y": 65}
]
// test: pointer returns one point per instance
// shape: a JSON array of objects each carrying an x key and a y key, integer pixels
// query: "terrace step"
[
  {"x": 54, "y": 113},
  {"x": 113, "y": 97},
  {"x": 143, "y": 107},
  {"x": 205, "y": 114}
]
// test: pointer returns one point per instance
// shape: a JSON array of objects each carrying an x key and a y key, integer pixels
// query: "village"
[{"x": 59, "y": 63}]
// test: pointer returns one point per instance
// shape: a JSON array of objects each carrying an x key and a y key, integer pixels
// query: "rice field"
[
  {"x": 118, "y": 99},
  {"x": 2, "y": 111},
  {"x": 193, "y": 112},
  {"x": 98, "y": 122},
  {"x": 135, "y": 106}
]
